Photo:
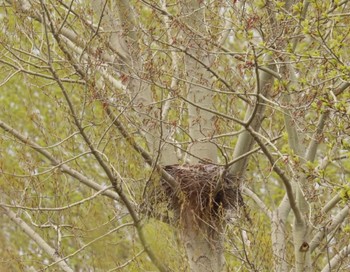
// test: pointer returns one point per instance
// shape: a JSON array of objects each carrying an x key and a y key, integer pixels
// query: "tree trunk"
[
  {"x": 202, "y": 239},
  {"x": 278, "y": 236},
  {"x": 203, "y": 244}
]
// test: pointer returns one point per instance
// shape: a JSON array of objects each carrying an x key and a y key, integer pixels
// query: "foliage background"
[{"x": 98, "y": 234}]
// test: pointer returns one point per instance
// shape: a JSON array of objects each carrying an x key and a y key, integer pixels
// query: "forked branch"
[{"x": 37, "y": 239}]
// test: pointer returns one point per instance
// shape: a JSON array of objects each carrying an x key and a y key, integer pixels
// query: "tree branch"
[
  {"x": 313, "y": 145},
  {"x": 258, "y": 201},
  {"x": 90, "y": 243},
  {"x": 331, "y": 204},
  {"x": 147, "y": 157},
  {"x": 111, "y": 176},
  {"x": 280, "y": 173},
  {"x": 64, "y": 168},
  {"x": 53, "y": 254},
  {"x": 337, "y": 259},
  {"x": 245, "y": 140},
  {"x": 57, "y": 209},
  {"x": 336, "y": 221}
]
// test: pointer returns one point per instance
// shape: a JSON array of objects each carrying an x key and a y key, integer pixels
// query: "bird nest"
[{"x": 205, "y": 190}]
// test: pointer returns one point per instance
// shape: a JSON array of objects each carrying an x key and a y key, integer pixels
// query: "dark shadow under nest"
[{"x": 206, "y": 190}]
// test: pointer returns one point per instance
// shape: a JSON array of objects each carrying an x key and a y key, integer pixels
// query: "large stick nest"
[{"x": 204, "y": 189}]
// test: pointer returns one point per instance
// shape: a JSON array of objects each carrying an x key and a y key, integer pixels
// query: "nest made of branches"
[{"x": 205, "y": 188}]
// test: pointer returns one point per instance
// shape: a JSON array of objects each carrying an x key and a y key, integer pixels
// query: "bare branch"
[
  {"x": 126, "y": 263},
  {"x": 329, "y": 227},
  {"x": 252, "y": 151},
  {"x": 89, "y": 243},
  {"x": 258, "y": 201},
  {"x": 312, "y": 148},
  {"x": 57, "y": 209},
  {"x": 313, "y": 145},
  {"x": 37, "y": 239},
  {"x": 280, "y": 173},
  {"x": 337, "y": 259},
  {"x": 111, "y": 176},
  {"x": 331, "y": 204},
  {"x": 245, "y": 140},
  {"x": 64, "y": 168}
]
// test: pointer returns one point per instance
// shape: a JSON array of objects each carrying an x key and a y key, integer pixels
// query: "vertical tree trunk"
[
  {"x": 202, "y": 240},
  {"x": 201, "y": 122},
  {"x": 203, "y": 244},
  {"x": 278, "y": 236}
]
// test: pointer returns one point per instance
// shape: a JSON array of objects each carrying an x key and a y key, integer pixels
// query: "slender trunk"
[
  {"x": 254, "y": 114},
  {"x": 278, "y": 224}
]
